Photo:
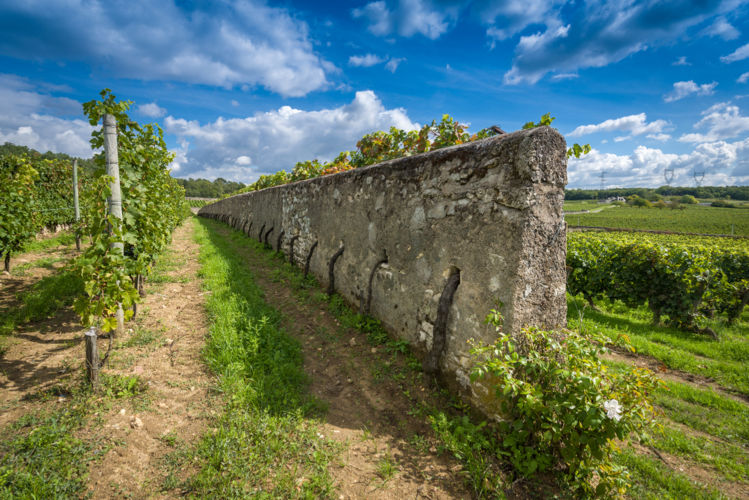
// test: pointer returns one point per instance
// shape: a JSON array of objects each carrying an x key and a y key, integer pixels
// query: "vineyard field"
[{"x": 691, "y": 219}]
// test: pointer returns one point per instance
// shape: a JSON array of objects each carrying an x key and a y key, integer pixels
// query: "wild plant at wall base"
[{"x": 562, "y": 409}]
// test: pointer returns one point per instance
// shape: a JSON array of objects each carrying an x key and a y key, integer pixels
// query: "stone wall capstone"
[{"x": 429, "y": 243}]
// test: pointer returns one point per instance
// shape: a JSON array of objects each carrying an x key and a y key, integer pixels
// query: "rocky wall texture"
[{"x": 430, "y": 243}]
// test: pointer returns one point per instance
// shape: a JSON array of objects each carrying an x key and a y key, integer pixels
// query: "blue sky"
[{"x": 244, "y": 88}]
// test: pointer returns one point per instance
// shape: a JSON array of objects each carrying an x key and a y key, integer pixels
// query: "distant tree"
[
  {"x": 688, "y": 199},
  {"x": 202, "y": 188}
]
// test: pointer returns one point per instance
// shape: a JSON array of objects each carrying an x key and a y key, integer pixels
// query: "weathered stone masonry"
[{"x": 430, "y": 243}]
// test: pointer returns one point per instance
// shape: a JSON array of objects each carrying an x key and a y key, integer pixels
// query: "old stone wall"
[{"x": 430, "y": 243}]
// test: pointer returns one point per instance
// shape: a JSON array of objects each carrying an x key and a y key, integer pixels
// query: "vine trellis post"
[
  {"x": 114, "y": 201},
  {"x": 75, "y": 204}
]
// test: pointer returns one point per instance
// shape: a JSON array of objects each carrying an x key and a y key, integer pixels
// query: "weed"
[
  {"x": 142, "y": 336},
  {"x": 170, "y": 439},
  {"x": 118, "y": 386},
  {"x": 387, "y": 467},
  {"x": 419, "y": 442}
]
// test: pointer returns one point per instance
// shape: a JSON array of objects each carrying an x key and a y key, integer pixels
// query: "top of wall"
[{"x": 527, "y": 149}]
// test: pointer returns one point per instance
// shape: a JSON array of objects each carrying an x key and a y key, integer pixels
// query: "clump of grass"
[
  {"x": 118, "y": 386},
  {"x": 387, "y": 467},
  {"x": 142, "y": 336}
]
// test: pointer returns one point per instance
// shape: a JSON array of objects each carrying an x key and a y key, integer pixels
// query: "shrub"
[
  {"x": 636, "y": 201},
  {"x": 562, "y": 408},
  {"x": 723, "y": 204},
  {"x": 688, "y": 199}
]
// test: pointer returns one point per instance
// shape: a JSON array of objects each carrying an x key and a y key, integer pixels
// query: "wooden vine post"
[
  {"x": 92, "y": 358},
  {"x": 114, "y": 202},
  {"x": 75, "y": 204}
]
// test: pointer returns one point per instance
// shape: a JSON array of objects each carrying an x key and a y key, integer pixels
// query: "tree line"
[{"x": 651, "y": 194}]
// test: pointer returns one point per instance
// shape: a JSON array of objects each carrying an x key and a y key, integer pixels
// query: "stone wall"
[{"x": 430, "y": 243}]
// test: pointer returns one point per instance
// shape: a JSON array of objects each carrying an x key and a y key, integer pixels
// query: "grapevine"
[
  {"x": 153, "y": 205},
  {"x": 18, "y": 220}
]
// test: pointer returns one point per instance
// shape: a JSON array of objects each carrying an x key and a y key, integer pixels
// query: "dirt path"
[
  {"x": 164, "y": 351},
  {"x": 373, "y": 402}
]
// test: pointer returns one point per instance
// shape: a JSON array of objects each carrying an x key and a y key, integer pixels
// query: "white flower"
[{"x": 613, "y": 409}]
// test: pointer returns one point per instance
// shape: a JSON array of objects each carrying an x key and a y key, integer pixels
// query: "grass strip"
[
  {"x": 44, "y": 298},
  {"x": 650, "y": 479},
  {"x": 43, "y": 458},
  {"x": 724, "y": 361},
  {"x": 37, "y": 245},
  {"x": 701, "y": 409},
  {"x": 45, "y": 262},
  {"x": 266, "y": 443}
]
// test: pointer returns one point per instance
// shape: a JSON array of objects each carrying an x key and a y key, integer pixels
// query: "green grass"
[
  {"x": 693, "y": 219},
  {"x": 60, "y": 239},
  {"x": 42, "y": 458},
  {"x": 700, "y": 425},
  {"x": 725, "y": 360},
  {"x": 653, "y": 480},
  {"x": 577, "y": 206},
  {"x": 43, "y": 299},
  {"x": 46, "y": 453},
  {"x": 267, "y": 443},
  {"x": 45, "y": 262}
]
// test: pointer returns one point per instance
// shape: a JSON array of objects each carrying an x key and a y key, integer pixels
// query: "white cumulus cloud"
[
  {"x": 278, "y": 139},
  {"x": 684, "y": 89},
  {"x": 737, "y": 55},
  {"x": 743, "y": 78},
  {"x": 151, "y": 110},
  {"x": 31, "y": 117},
  {"x": 365, "y": 60},
  {"x": 632, "y": 125},
  {"x": 720, "y": 121},
  {"x": 226, "y": 44}
]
